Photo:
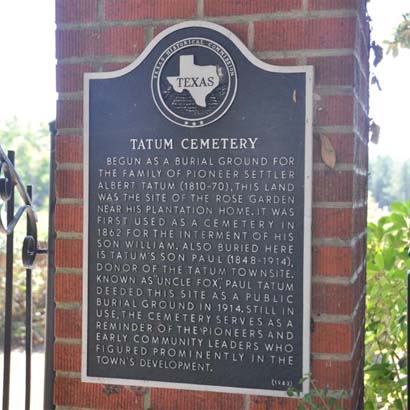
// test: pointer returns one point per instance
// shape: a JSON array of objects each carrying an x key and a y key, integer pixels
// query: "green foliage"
[
  {"x": 401, "y": 36},
  {"x": 317, "y": 398},
  {"x": 32, "y": 156},
  {"x": 386, "y": 316}
]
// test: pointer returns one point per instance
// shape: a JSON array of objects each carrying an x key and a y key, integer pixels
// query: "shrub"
[{"x": 386, "y": 316}]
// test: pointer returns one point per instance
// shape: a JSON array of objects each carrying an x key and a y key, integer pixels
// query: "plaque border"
[{"x": 307, "y": 219}]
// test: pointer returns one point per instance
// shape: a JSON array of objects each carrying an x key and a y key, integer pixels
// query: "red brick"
[
  {"x": 332, "y": 261},
  {"x": 68, "y": 288},
  {"x": 149, "y": 9},
  {"x": 69, "y": 184},
  {"x": 69, "y": 149},
  {"x": 167, "y": 399},
  {"x": 335, "y": 110},
  {"x": 332, "y": 4},
  {"x": 67, "y": 358},
  {"x": 362, "y": 121},
  {"x": 333, "y": 70},
  {"x": 69, "y": 114},
  {"x": 273, "y": 403},
  {"x": 362, "y": 47},
  {"x": 361, "y": 154},
  {"x": 77, "y": 43},
  {"x": 122, "y": 41},
  {"x": 68, "y": 218},
  {"x": 359, "y": 252},
  {"x": 109, "y": 41},
  {"x": 67, "y": 323},
  {"x": 335, "y": 299},
  {"x": 350, "y": 338},
  {"x": 240, "y": 7},
  {"x": 363, "y": 89},
  {"x": 343, "y": 144},
  {"x": 360, "y": 188},
  {"x": 332, "y": 338},
  {"x": 241, "y": 30},
  {"x": 358, "y": 388},
  {"x": 116, "y": 41},
  {"x": 332, "y": 223},
  {"x": 305, "y": 34},
  {"x": 333, "y": 186},
  {"x": 336, "y": 375},
  {"x": 277, "y": 403},
  {"x": 359, "y": 220},
  {"x": 72, "y": 393},
  {"x": 70, "y": 77},
  {"x": 68, "y": 253},
  {"x": 158, "y": 29},
  {"x": 76, "y": 11}
]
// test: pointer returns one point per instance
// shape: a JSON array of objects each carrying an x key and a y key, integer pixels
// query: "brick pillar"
[{"x": 331, "y": 35}]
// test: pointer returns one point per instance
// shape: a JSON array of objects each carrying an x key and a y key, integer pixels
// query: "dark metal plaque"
[{"x": 197, "y": 217}]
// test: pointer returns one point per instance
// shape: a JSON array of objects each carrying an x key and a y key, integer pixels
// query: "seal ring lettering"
[{"x": 194, "y": 82}]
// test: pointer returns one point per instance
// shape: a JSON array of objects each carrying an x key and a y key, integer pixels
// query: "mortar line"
[
  {"x": 200, "y": 8},
  {"x": 305, "y": 5},
  {"x": 69, "y": 201},
  {"x": 69, "y": 408},
  {"x": 67, "y": 341},
  {"x": 69, "y": 166},
  {"x": 147, "y": 399},
  {"x": 69, "y": 235},
  {"x": 69, "y": 375},
  {"x": 68, "y": 305},
  {"x": 148, "y": 35},
  {"x": 70, "y": 96},
  {"x": 251, "y": 35},
  {"x": 246, "y": 402},
  {"x": 67, "y": 132},
  {"x": 335, "y": 205},
  {"x": 69, "y": 271}
]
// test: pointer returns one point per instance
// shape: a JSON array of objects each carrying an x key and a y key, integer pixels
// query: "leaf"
[
  {"x": 374, "y": 133},
  {"x": 398, "y": 220},
  {"x": 378, "y": 53},
  {"x": 328, "y": 153},
  {"x": 291, "y": 392},
  {"x": 389, "y": 257},
  {"x": 399, "y": 208},
  {"x": 378, "y": 259},
  {"x": 375, "y": 80},
  {"x": 398, "y": 404}
]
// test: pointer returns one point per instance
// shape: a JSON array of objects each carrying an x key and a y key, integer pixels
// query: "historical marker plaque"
[{"x": 197, "y": 218}]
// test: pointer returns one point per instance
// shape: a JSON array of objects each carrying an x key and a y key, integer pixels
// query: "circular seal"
[{"x": 194, "y": 82}]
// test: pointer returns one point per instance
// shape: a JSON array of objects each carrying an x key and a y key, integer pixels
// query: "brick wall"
[{"x": 332, "y": 35}]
